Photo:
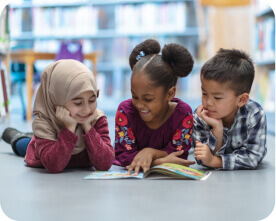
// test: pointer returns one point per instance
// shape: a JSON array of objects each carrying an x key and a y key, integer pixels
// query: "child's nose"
[
  {"x": 86, "y": 109},
  {"x": 139, "y": 105},
  {"x": 209, "y": 102}
]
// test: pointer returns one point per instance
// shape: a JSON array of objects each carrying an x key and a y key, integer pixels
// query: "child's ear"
[
  {"x": 171, "y": 92},
  {"x": 242, "y": 99},
  {"x": 98, "y": 92}
]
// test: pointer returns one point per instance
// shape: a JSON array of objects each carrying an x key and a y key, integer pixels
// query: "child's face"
[
  {"x": 82, "y": 106},
  {"x": 150, "y": 101},
  {"x": 220, "y": 101}
]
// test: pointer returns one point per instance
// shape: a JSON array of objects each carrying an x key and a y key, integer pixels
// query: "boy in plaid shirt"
[{"x": 229, "y": 128}]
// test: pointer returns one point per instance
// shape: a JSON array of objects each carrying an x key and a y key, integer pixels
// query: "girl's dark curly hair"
[{"x": 163, "y": 70}]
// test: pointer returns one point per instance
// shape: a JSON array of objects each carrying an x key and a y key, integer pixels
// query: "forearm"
[
  {"x": 99, "y": 149},
  {"x": 158, "y": 157},
  {"x": 158, "y": 161},
  {"x": 218, "y": 133},
  {"x": 216, "y": 162},
  {"x": 55, "y": 155}
]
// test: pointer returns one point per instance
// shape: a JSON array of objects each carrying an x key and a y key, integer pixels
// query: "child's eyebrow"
[
  {"x": 216, "y": 93},
  {"x": 144, "y": 95},
  {"x": 80, "y": 98}
]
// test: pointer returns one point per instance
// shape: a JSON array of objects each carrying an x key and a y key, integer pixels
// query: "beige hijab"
[{"x": 61, "y": 82}]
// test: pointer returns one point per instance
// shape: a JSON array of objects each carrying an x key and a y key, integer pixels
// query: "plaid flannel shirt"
[{"x": 244, "y": 144}]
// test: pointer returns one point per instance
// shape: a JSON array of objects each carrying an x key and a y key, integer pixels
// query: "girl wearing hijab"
[{"x": 68, "y": 129}]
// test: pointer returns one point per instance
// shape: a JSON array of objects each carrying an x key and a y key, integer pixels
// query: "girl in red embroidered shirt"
[{"x": 154, "y": 127}]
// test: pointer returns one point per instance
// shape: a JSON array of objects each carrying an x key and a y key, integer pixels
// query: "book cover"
[{"x": 163, "y": 171}]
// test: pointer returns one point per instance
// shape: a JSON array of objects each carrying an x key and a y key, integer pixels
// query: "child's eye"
[
  {"x": 218, "y": 98},
  {"x": 92, "y": 101},
  {"x": 134, "y": 97},
  {"x": 204, "y": 94},
  {"x": 148, "y": 100},
  {"x": 77, "y": 104}
]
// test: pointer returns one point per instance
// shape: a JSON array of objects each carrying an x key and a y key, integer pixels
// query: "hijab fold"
[{"x": 61, "y": 82}]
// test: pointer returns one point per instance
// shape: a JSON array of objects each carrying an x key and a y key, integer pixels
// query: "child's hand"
[
  {"x": 63, "y": 115},
  {"x": 88, "y": 123},
  {"x": 203, "y": 114},
  {"x": 174, "y": 158},
  {"x": 203, "y": 153},
  {"x": 142, "y": 160}
]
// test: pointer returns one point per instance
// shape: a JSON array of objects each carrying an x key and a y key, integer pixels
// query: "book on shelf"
[
  {"x": 269, "y": 90},
  {"x": 144, "y": 18},
  {"x": 264, "y": 89},
  {"x": 163, "y": 171},
  {"x": 4, "y": 30},
  {"x": 265, "y": 40},
  {"x": 4, "y": 90},
  {"x": 151, "y": 17}
]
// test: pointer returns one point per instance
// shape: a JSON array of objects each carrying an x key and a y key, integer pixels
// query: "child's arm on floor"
[
  {"x": 216, "y": 124},
  {"x": 178, "y": 148},
  {"x": 252, "y": 150},
  {"x": 55, "y": 155},
  {"x": 98, "y": 145},
  {"x": 247, "y": 155},
  {"x": 203, "y": 153},
  {"x": 125, "y": 140}
]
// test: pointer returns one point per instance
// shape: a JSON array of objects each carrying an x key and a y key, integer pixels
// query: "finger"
[
  {"x": 198, "y": 142},
  {"x": 199, "y": 110},
  {"x": 185, "y": 162},
  {"x": 178, "y": 153},
  {"x": 198, "y": 152},
  {"x": 204, "y": 114},
  {"x": 137, "y": 168},
  {"x": 199, "y": 145},
  {"x": 199, "y": 156},
  {"x": 189, "y": 163},
  {"x": 130, "y": 168},
  {"x": 145, "y": 168}
]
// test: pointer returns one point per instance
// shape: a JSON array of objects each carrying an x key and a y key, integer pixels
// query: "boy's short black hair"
[{"x": 233, "y": 67}]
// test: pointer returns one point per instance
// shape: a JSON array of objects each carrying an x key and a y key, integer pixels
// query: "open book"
[{"x": 163, "y": 171}]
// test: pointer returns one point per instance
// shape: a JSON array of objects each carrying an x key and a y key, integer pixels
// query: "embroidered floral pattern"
[
  {"x": 177, "y": 134},
  {"x": 123, "y": 133},
  {"x": 183, "y": 136},
  {"x": 121, "y": 119},
  {"x": 188, "y": 121}
]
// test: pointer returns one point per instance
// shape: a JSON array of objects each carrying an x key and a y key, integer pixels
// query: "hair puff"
[
  {"x": 179, "y": 58},
  {"x": 149, "y": 46}
]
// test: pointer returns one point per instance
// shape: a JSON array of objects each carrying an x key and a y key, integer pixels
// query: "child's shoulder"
[
  {"x": 182, "y": 107},
  {"x": 126, "y": 106},
  {"x": 252, "y": 105},
  {"x": 251, "y": 108}
]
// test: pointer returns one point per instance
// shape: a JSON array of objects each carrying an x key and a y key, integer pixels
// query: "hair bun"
[
  {"x": 149, "y": 46},
  {"x": 179, "y": 57}
]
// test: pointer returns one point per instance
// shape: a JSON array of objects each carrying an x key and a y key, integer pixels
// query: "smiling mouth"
[
  {"x": 83, "y": 118},
  {"x": 144, "y": 112}
]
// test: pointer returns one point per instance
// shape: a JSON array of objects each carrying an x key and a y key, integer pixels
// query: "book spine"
[{"x": 4, "y": 88}]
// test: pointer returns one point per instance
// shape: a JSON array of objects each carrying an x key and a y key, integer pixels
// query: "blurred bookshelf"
[
  {"x": 4, "y": 65},
  {"x": 264, "y": 89},
  {"x": 113, "y": 27}
]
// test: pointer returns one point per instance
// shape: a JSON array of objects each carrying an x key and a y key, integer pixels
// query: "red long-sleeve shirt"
[{"x": 55, "y": 156}]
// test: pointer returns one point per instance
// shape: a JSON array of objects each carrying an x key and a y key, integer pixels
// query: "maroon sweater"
[{"x": 55, "y": 156}]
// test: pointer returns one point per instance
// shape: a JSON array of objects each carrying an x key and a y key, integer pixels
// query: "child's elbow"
[
  {"x": 54, "y": 168},
  {"x": 251, "y": 165},
  {"x": 105, "y": 165}
]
